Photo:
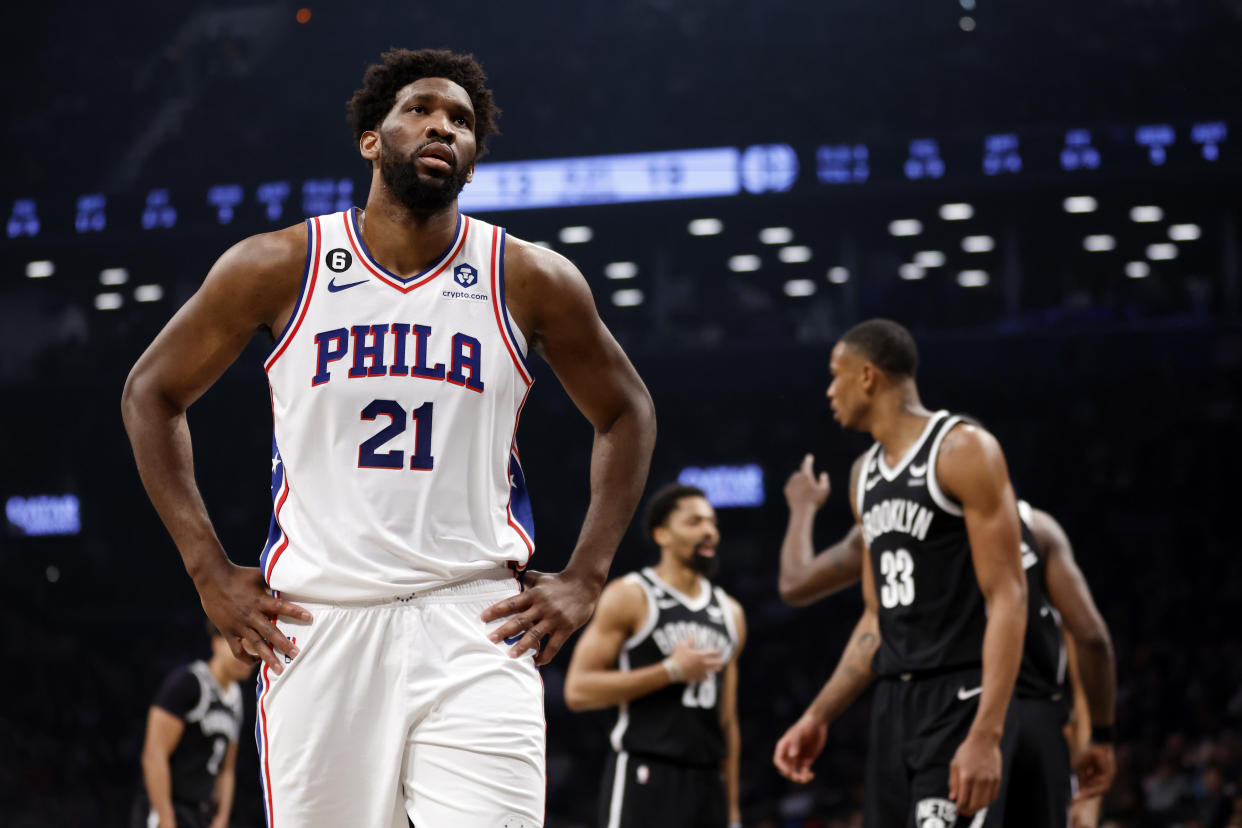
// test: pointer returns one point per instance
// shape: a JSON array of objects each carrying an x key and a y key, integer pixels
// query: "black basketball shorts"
[{"x": 643, "y": 792}]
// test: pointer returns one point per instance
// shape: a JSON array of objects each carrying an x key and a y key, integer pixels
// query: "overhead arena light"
[
  {"x": 113, "y": 276},
  {"x": 1161, "y": 252},
  {"x": 972, "y": 278},
  {"x": 1184, "y": 232},
  {"x": 744, "y": 263},
  {"x": 576, "y": 235},
  {"x": 627, "y": 298},
  {"x": 1099, "y": 243},
  {"x": 978, "y": 244},
  {"x": 1081, "y": 204},
  {"x": 929, "y": 258},
  {"x": 795, "y": 254},
  {"x": 621, "y": 270},
  {"x": 910, "y": 272},
  {"x": 956, "y": 212},
  {"x": 39, "y": 269},
  {"x": 108, "y": 301},
  {"x": 905, "y": 227},
  {"x": 776, "y": 235},
  {"x": 1146, "y": 214},
  {"x": 705, "y": 227},
  {"x": 799, "y": 287},
  {"x": 148, "y": 293},
  {"x": 1138, "y": 270}
]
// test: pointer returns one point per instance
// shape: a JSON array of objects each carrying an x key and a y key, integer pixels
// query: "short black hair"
[
  {"x": 401, "y": 67},
  {"x": 885, "y": 344},
  {"x": 664, "y": 502}
]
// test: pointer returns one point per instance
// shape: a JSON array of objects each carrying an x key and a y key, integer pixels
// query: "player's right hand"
[
  {"x": 1096, "y": 767},
  {"x": 237, "y": 601},
  {"x": 799, "y": 747},
  {"x": 804, "y": 489},
  {"x": 696, "y": 663}
]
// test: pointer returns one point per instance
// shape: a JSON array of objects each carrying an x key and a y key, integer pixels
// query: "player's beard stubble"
[
  {"x": 420, "y": 193},
  {"x": 703, "y": 564}
]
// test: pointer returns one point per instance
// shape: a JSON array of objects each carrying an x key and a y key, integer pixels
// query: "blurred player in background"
[
  {"x": 190, "y": 750},
  {"x": 1038, "y": 787},
  {"x": 944, "y": 597},
  {"x": 656, "y": 649}
]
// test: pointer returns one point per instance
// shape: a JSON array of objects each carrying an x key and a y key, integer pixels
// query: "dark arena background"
[{"x": 1047, "y": 194}]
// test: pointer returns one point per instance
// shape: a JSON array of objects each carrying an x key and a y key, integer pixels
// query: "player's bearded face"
[
  {"x": 705, "y": 565},
  {"x": 419, "y": 191}
]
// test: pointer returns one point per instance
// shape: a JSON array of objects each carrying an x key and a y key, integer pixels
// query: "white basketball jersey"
[{"x": 395, "y": 405}]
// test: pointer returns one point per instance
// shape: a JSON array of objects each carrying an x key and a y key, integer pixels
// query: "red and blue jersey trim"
[
  {"x": 305, "y": 291},
  {"x": 501, "y": 309},
  {"x": 405, "y": 285},
  {"x": 518, "y": 509}
]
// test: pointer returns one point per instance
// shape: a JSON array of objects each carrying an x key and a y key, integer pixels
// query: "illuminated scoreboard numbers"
[
  {"x": 1078, "y": 153},
  {"x": 225, "y": 198},
  {"x": 1000, "y": 154},
  {"x": 924, "y": 160},
  {"x": 272, "y": 196},
  {"x": 326, "y": 195},
  {"x": 91, "y": 215},
  {"x": 158, "y": 211},
  {"x": 1157, "y": 138},
  {"x": 1209, "y": 136},
  {"x": 727, "y": 486},
  {"x": 843, "y": 164},
  {"x": 23, "y": 220}
]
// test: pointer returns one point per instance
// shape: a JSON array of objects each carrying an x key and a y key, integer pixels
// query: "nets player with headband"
[
  {"x": 399, "y": 676},
  {"x": 1037, "y": 788},
  {"x": 663, "y": 648},
  {"x": 189, "y": 751},
  {"x": 944, "y": 597}
]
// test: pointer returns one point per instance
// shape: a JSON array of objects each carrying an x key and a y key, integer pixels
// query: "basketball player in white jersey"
[{"x": 398, "y": 647}]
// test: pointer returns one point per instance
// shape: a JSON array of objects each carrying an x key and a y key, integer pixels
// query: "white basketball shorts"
[{"x": 403, "y": 707}]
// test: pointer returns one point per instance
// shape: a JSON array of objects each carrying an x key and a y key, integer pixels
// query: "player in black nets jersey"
[
  {"x": 656, "y": 648},
  {"x": 1037, "y": 788},
  {"x": 190, "y": 749},
  {"x": 944, "y": 597}
]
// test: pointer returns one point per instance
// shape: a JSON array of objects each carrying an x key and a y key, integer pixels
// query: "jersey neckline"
[
  {"x": 892, "y": 474},
  {"x": 403, "y": 283},
  {"x": 694, "y": 605}
]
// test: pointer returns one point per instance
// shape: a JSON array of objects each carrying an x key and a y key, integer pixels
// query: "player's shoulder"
[
  {"x": 964, "y": 435},
  {"x": 527, "y": 260},
  {"x": 623, "y": 599}
]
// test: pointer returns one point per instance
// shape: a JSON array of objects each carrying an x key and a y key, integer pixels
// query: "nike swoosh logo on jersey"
[
  {"x": 918, "y": 471},
  {"x": 873, "y": 482},
  {"x": 663, "y": 604},
  {"x": 333, "y": 287},
  {"x": 966, "y": 695}
]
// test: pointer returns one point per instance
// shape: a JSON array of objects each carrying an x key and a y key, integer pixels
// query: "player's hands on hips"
[
  {"x": 1097, "y": 764},
  {"x": 799, "y": 747},
  {"x": 236, "y": 600},
  {"x": 975, "y": 774},
  {"x": 805, "y": 490},
  {"x": 548, "y": 610},
  {"x": 696, "y": 663}
]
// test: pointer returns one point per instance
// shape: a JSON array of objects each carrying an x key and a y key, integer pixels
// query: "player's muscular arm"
[
  {"x": 163, "y": 733},
  {"x": 253, "y": 285},
  {"x": 971, "y": 469},
  {"x": 553, "y": 306},
  {"x": 732, "y": 764},
  {"x": 806, "y": 577},
  {"x": 1068, "y": 592},
  {"x": 802, "y": 743},
  {"x": 593, "y": 680}
]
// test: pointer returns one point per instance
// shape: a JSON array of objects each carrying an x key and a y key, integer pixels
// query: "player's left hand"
[
  {"x": 1096, "y": 767},
  {"x": 975, "y": 774},
  {"x": 548, "y": 610},
  {"x": 1085, "y": 813}
]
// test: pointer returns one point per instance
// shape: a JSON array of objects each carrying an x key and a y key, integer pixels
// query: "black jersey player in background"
[
  {"x": 1038, "y": 786},
  {"x": 944, "y": 597},
  {"x": 656, "y": 649},
  {"x": 190, "y": 748}
]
